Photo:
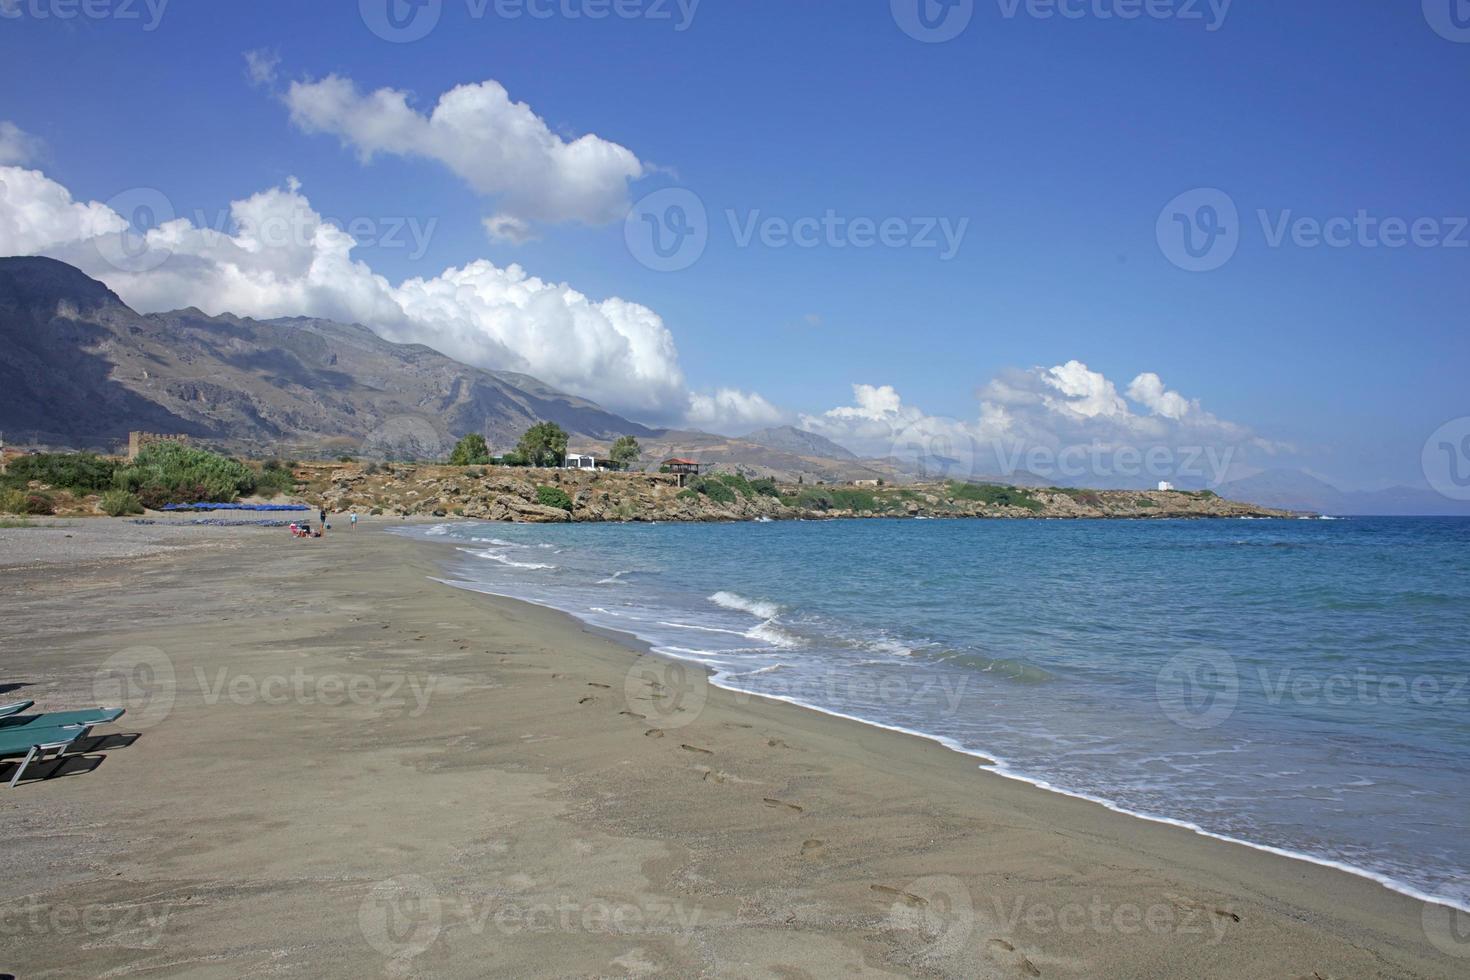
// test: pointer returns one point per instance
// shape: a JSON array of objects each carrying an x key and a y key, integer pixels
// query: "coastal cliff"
[{"x": 547, "y": 496}]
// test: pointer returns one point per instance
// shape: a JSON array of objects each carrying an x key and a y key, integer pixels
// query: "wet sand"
[{"x": 344, "y": 768}]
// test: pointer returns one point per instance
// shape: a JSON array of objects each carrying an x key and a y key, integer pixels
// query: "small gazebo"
[{"x": 682, "y": 468}]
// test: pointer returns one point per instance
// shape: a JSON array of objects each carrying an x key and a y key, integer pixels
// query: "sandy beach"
[{"x": 344, "y": 768}]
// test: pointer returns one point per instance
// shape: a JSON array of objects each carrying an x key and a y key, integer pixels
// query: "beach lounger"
[
  {"x": 14, "y": 708},
  {"x": 60, "y": 719},
  {"x": 36, "y": 742}
]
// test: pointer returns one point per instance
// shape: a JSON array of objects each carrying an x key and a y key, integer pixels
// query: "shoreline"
[
  {"x": 800, "y": 843},
  {"x": 988, "y": 763}
]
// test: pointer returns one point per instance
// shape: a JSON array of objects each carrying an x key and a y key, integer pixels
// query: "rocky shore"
[{"x": 545, "y": 496}]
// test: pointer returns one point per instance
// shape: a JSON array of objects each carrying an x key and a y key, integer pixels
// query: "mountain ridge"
[{"x": 245, "y": 383}]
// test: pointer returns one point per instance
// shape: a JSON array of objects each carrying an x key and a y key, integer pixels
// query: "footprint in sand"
[
  {"x": 781, "y": 804},
  {"x": 589, "y": 699},
  {"x": 1014, "y": 957},
  {"x": 1185, "y": 904},
  {"x": 654, "y": 733},
  {"x": 776, "y": 743},
  {"x": 634, "y": 714},
  {"x": 603, "y": 686},
  {"x": 813, "y": 848},
  {"x": 711, "y": 776},
  {"x": 907, "y": 898},
  {"x": 695, "y": 748}
]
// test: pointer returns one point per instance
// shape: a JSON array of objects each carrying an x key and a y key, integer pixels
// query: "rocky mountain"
[
  {"x": 799, "y": 442},
  {"x": 78, "y": 367}
]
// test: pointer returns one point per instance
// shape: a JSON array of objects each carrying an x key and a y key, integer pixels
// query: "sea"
[{"x": 1301, "y": 686}]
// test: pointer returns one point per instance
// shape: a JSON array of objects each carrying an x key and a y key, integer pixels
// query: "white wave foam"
[
  {"x": 756, "y": 607},
  {"x": 702, "y": 629},
  {"x": 774, "y": 635},
  {"x": 437, "y": 531},
  {"x": 502, "y": 559},
  {"x": 616, "y": 578},
  {"x": 893, "y": 647}
]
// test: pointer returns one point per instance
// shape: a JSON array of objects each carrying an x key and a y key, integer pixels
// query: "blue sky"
[{"x": 1058, "y": 141}]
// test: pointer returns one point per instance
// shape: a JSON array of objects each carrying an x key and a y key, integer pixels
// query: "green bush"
[
  {"x": 120, "y": 503},
  {"x": 172, "y": 473},
  {"x": 995, "y": 494},
  {"x": 81, "y": 472},
  {"x": 475, "y": 474},
  {"x": 715, "y": 488},
  {"x": 811, "y": 500},
  {"x": 854, "y": 500},
  {"x": 12, "y": 502},
  {"x": 765, "y": 487},
  {"x": 553, "y": 497}
]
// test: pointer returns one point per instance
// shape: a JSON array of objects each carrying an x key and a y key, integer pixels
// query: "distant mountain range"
[
  {"x": 79, "y": 368},
  {"x": 1296, "y": 490}
]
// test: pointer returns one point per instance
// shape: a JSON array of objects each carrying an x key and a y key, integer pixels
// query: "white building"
[
  {"x": 1165, "y": 487},
  {"x": 579, "y": 462}
]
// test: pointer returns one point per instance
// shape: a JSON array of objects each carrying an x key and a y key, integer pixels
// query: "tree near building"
[
  {"x": 625, "y": 452},
  {"x": 544, "y": 444},
  {"x": 470, "y": 451}
]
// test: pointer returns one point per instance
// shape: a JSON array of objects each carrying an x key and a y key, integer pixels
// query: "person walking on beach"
[
  {"x": 323, "y": 510},
  {"x": 354, "y": 520}
]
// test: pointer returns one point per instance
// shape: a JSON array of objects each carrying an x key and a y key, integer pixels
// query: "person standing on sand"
[{"x": 354, "y": 520}]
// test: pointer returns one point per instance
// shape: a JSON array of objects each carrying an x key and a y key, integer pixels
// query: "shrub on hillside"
[
  {"x": 120, "y": 503},
  {"x": 553, "y": 497},
  {"x": 715, "y": 489},
  {"x": 171, "y": 473},
  {"x": 39, "y": 505},
  {"x": 994, "y": 493},
  {"x": 12, "y": 502},
  {"x": 82, "y": 472}
]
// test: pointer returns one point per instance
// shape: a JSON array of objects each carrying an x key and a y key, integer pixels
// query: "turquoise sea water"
[{"x": 1302, "y": 685}]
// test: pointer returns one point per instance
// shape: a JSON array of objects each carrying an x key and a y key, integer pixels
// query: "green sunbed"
[
  {"x": 36, "y": 742},
  {"x": 61, "y": 719},
  {"x": 15, "y": 708}
]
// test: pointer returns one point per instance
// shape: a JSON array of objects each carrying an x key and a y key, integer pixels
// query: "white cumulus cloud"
[
  {"x": 732, "y": 412},
  {"x": 16, "y": 145},
  {"x": 278, "y": 257},
  {"x": 500, "y": 148},
  {"x": 1066, "y": 422}
]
